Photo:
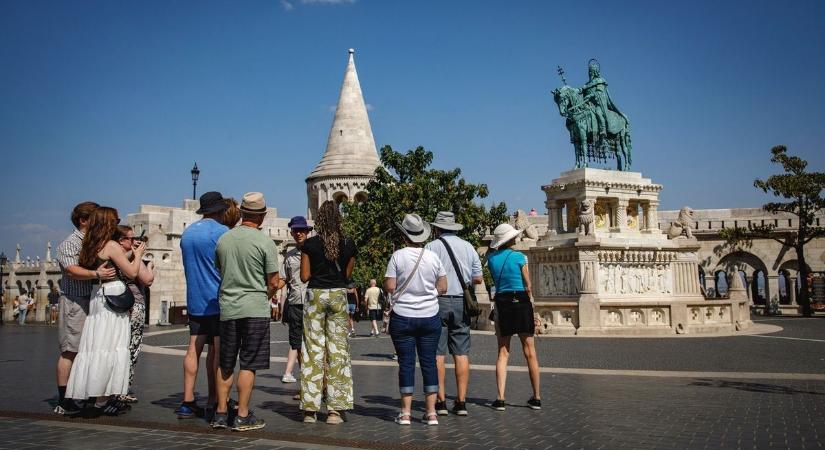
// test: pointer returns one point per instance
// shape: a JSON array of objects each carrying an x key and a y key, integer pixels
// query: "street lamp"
[
  {"x": 195, "y": 174},
  {"x": 3, "y": 261}
]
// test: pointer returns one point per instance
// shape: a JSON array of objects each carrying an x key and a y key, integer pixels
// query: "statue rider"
[{"x": 595, "y": 92}]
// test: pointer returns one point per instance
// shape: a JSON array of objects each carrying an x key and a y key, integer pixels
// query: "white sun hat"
[{"x": 502, "y": 234}]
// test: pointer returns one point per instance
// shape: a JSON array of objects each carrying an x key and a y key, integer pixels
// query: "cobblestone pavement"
[{"x": 580, "y": 411}]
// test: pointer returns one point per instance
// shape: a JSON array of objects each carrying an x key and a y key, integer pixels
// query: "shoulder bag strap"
[
  {"x": 498, "y": 279},
  {"x": 455, "y": 264},
  {"x": 403, "y": 287}
]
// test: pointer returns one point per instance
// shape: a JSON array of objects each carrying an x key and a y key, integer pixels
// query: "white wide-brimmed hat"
[
  {"x": 502, "y": 234},
  {"x": 446, "y": 221},
  {"x": 414, "y": 227}
]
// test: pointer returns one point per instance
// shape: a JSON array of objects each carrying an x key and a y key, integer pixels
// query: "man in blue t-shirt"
[{"x": 197, "y": 245}]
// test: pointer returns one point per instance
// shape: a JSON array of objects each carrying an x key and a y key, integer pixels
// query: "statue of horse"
[{"x": 584, "y": 128}]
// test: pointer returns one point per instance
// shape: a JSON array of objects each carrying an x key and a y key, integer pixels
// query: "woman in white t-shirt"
[{"x": 415, "y": 278}]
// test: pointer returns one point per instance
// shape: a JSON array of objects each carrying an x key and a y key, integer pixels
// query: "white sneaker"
[{"x": 288, "y": 378}]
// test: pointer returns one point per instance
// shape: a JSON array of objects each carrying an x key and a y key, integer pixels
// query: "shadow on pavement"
[{"x": 752, "y": 387}]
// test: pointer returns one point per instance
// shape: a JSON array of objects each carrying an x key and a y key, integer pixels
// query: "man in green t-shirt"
[{"x": 248, "y": 262}]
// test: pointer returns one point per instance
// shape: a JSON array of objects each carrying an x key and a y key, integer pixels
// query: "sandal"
[
  {"x": 404, "y": 418},
  {"x": 128, "y": 398},
  {"x": 431, "y": 418},
  {"x": 334, "y": 417}
]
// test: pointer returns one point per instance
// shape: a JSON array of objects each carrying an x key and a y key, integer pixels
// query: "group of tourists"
[
  {"x": 101, "y": 312},
  {"x": 232, "y": 272}
]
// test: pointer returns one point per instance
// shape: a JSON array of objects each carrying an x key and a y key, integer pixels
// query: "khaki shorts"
[{"x": 73, "y": 312}]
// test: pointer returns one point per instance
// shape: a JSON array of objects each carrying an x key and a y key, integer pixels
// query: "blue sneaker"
[{"x": 188, "y": 410}]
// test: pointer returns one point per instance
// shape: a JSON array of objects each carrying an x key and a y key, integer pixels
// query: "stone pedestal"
[{"x": 621, "y": 275}]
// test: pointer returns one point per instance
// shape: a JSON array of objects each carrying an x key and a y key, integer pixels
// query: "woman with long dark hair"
[
  {"x": 327, "y": 260},
  {"x": 101, "y": 367}
]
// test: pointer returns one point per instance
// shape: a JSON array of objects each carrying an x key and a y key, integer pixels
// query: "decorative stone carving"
[
  {"x": 601, "y": 218},
  {"x": 634, "y": 279},
  {"x": 682, "y": 227},
  {"x": 587, "y": 218},
  {"x": 558, "y": 279},
  {"x": 522, "y": 223}
]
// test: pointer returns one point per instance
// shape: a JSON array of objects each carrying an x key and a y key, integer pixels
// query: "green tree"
[
  {"x": 802, "y": 192},
  {"x": 406, "y": 184}
]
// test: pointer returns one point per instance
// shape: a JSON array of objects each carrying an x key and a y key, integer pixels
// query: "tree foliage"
[
  {"x": 406, "y": 184},
  {"x": 802, "y": 191}
]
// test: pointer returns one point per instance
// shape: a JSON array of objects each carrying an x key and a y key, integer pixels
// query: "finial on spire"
[
  {"x": 351, "y": 51},
  {"x": 561, "y": 74}
]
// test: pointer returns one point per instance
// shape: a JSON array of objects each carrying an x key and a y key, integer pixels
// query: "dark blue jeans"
[{"x": 408, "y": 335}]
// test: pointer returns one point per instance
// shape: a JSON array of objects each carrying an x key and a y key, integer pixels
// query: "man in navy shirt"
[{"x": 197, "y": 245}]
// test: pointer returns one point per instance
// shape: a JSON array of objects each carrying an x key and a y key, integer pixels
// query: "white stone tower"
[{"x": 350, "y": 159}]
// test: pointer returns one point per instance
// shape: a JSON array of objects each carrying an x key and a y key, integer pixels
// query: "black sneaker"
[
  {"x": 441, "y": 407},
  {"x": 460, "y": 408},
  {"x": 499, "y": 405},
  {"x": 534, "y": 403},
  {"x": 68, "y": 407},
  {"x": 250, "y": 422},
  {"x": 220, "y": 420}
]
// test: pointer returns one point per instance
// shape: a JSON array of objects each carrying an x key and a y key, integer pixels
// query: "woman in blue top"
[{"x": 513, "y": 310}]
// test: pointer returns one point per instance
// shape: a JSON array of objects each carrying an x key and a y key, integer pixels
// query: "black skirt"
[{"x": 514, "y": 314}]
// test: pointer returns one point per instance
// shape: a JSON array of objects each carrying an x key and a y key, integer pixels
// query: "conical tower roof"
[{"x": 350, "y": 146}]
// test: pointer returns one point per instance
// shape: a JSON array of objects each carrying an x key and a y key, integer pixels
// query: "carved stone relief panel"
[
  {"x": 619, "y": 279},
  {"x": 559, "y": 279},
  {"x": 602, "y": 218}
]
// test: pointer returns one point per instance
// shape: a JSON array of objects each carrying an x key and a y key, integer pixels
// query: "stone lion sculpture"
[
  {"x": 587, "y": 217},
  {"x": 682, "y": 227},
  {"x": 522, "y": 223}
]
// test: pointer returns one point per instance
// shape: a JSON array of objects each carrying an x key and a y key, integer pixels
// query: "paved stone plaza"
[{"x": 749, "y": 391}]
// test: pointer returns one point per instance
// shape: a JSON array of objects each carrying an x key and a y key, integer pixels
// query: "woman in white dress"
[{"x": 101, "y": 367}]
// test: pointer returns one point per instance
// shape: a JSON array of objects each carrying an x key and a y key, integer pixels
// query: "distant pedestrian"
[
  {"x": 24, "y": 303},
  {"x": 125, "y": 236},
  {"x": 415, "y": 277},
  {"x": 513, "y": 311},
  {"x": 54, "y": 298},
  {"x": 296, "y": 290},
  {"x": 248, "y": 263},
  {"x": 75, "y": 287},
  {"x": 101, "y": 368},
  {"x": 372, "y": 299},
  {"x": 197, "y": 245},
  {"x": 455, "y": 323},
  {"x": 352, "y": 307},
  {"x": 327, "y": 261},
  {"x": 533, "y": 212}
]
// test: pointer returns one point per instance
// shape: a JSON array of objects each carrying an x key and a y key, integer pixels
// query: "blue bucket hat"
[{"x": 298, "y": 223}]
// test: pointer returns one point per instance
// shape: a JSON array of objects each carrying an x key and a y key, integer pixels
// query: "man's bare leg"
[
  {"x": 190, "y": 366},
  {"x": 223, "y": 383},
  {"x": 212, "y": 358},
  {"x": 291, "y": 359},
  {"x": 462, "y": 376},
  {"x": 442, "y": 373},
  {"x": 246, "y": 380}
]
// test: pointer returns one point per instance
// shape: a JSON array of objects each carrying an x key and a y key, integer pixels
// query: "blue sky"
[{"x": 114, "y": 101}]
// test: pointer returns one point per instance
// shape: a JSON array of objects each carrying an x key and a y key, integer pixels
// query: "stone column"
[
  {"x": 792, "y": 290},
  {"x": 553, "y": 217},
  {"x": 651, "y": 216},
  {"x": 620, "y": 215}
]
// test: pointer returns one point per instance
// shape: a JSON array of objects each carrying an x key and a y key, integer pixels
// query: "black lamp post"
[
  {"x": 3, "y": 261},
  {"x": 195, "y": 174}
]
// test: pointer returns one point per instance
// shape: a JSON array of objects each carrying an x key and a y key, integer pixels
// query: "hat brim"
[
  {"x": 447, "y": 226},
  {"x": 504, "y": 239},
  {"x": 416, "y": 238},
  {"x": 212, "y": 209},
  {"x": 307, "y": 228},
  {"x": 252, "y": 212}
]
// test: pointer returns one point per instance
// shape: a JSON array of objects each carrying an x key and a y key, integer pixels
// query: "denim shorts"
[{"x": 455, "y": 326}]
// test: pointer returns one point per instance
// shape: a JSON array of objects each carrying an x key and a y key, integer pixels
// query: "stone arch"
[
  {"x": 759, "y": 287},
  {"x": 340, "y": 197},
  {"x": 749, "y": 264},
  {"x": 360, "y": 197},
  {"x": 720, "y": 278}
]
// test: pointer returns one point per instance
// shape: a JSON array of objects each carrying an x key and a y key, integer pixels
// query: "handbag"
[
  {"x": 492, "y": 317},
  {"x": 122, "y": 299},
  {"x": 471, "y": 307}
]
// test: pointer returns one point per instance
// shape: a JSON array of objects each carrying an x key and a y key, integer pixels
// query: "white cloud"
[{"x": 287, "y": 5}]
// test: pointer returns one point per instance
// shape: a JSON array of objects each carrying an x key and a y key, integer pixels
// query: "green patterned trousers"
[{"x": 325, "y": 340}]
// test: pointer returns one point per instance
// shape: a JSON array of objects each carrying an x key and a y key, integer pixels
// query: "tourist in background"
[
  {"x": 75, "y": 288},
  {"x": 293, "y": 311},
  {"x": 455, "y": 324},
  {"x": 125, "y": 236},
  {"x": 197, "y": 246},
  {"x": 372, "y": 300},
  {"x": 24, "y": 303},
  {"x": 352, "y": 306},
  {"x": 327, "y": 261},
  {"x": 101, "y": 368},
  {"x": 54, "y": 298},
  {"x": 248, "y": 263},
  {"x": 415, "y": 278},
  {"x": 513, "y": 310}
]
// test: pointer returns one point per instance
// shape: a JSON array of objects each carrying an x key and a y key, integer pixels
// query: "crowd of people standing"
[{"x": 233, "y": 272}]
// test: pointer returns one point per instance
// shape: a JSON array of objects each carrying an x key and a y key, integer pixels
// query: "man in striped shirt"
[{"x": 76, "y": 286}]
